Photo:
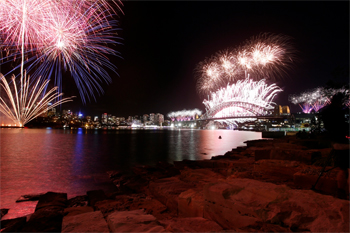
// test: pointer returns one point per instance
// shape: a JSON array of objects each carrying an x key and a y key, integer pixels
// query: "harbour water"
[{"x": 75, "y": 161}]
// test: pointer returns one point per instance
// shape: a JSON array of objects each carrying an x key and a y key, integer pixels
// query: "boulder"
[
  {"x": 78, "y": 201},
  {"x": 133, "y": 221},
  {"x": 95, "y": 196},
  {"x": 86, "y": 222},
  {"x": 327, "y": 183},
  {"x": 46, "y": 219},
  {"x": 30, "y": 197},
  {"x": 132, "y": 202},
  {"x": 3, "y": 212},
  {"x": 191, "y": 203},
  {"x": 280, "y": 170},
  {"x": 305, "y": 156},
  {"x": 48, "y": 213},
  {"x": 167, "y": 191},
  {"x": 239, "y": 203},
  {"x": 71, "y": 211},
  {"x": 12, "y": 225},
  {"x": 52, "y": 199},
  {"x": 199, "y": 177},
  {"x": 196, "y": 224}
]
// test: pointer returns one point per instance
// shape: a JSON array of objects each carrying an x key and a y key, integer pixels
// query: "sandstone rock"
[
  {"x": 326, "y": 184},
  {"x": 45, "y": 219},
  {"x": 305, "y": 156},
  {"x": 259, "y": 143},
  {"x": 239, "y": 203},
  {"x": 48, "y": 213},
  {"x": 3, "y": 212},
  {"x": 191, "y": 203},
  {"x": 78, "y": 201},
  {"x": 281, "y": 170},
  {"x": 133, "y": 221},
  {"x": 114, "y": 174},
  {"x": 12, "y": 225},
  {"x": 199, "y": 177},
  {"x": 86, "y": 222},
  {"x": 52, "y": 199},
  {"x": 167, "y": 191},
  {"x": 95, "y": 196},
  {"x": 132, "y": 202},
  {"x": 30, "y": 197},
  {"x": 71, "y": 211},
  {"x": 196, "y": 224}
]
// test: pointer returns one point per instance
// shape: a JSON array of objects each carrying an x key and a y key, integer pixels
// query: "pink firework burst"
[{"x": 264, "y": 57}]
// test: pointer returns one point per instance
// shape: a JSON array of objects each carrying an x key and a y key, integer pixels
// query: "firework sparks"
[
  {"x": 185, "y": 115},
  {"x": 23, "y": 103},
  {"x": 245, "y": 98},
  {"x": 265, "y": 56},
  {"x": 69, "y": 34},
  {"x": 314, "y": 99}
]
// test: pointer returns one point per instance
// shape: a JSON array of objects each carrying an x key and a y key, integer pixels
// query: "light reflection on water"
[{"x": 75, "y": 161}]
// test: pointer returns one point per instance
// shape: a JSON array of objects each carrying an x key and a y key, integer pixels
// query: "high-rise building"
[
  {"x": 159, "y": 119},
  {"x": 104, "y": 118},
  {"x": 145, "y": 118},
  {"x": 152, "y": 117},
  {"x": 285, "y": 110}
]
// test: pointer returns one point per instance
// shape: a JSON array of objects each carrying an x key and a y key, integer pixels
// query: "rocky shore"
[{"x": 263, "y": 187}]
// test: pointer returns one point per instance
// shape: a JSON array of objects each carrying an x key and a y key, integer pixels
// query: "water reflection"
[{"x": 75, "y": 161}]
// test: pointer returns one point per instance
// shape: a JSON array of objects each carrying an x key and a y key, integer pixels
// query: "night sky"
[{"x": 162, "y": 43}]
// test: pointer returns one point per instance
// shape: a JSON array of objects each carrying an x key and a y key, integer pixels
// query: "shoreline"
[{"x": 183, "y": 196}]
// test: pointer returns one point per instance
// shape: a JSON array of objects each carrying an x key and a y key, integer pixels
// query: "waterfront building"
[
  {"x": 145, "y": 118},
  {"x": 152, "y": 117},
  {"x": 104, "y": 118}
]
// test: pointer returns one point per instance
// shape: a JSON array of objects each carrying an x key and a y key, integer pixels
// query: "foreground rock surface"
[
  {"x": 240, "y": 203},
  {"x": 86, "y": 222},
  {"x": 133, "y": 221}
]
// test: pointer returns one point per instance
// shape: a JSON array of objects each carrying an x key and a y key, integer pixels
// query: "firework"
[
  {"x": 26, "y": 101},
  {"x": 245, "y": 98},
  {"x": 314, "y": 99},
  {"x": 265, "y": 56},
  {"x": 66, "y": 35},
  {"x": 185, "y": 115}
]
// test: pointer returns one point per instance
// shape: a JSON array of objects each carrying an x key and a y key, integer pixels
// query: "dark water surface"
[{"x": 75, "y": 161}]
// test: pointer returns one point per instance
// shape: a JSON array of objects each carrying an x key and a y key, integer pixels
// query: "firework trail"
[
  {"x": 61, "y": 36},
  {"x": 266, "y": 56},
  {"x": 25, "y": 102}
]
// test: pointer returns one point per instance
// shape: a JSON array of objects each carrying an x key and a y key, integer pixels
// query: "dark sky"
[{"x": 163, "y": 41}]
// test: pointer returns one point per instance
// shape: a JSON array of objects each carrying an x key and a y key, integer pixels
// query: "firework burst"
[
  {"x": 185, "y": 115},
  {"x": 266, "y": 56},
  {"x": 28, "y": 100},
  {"x": 245, "y": 98},
  {"x": 314, "y": 99},
  {"x": 59, "y": 36}
]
